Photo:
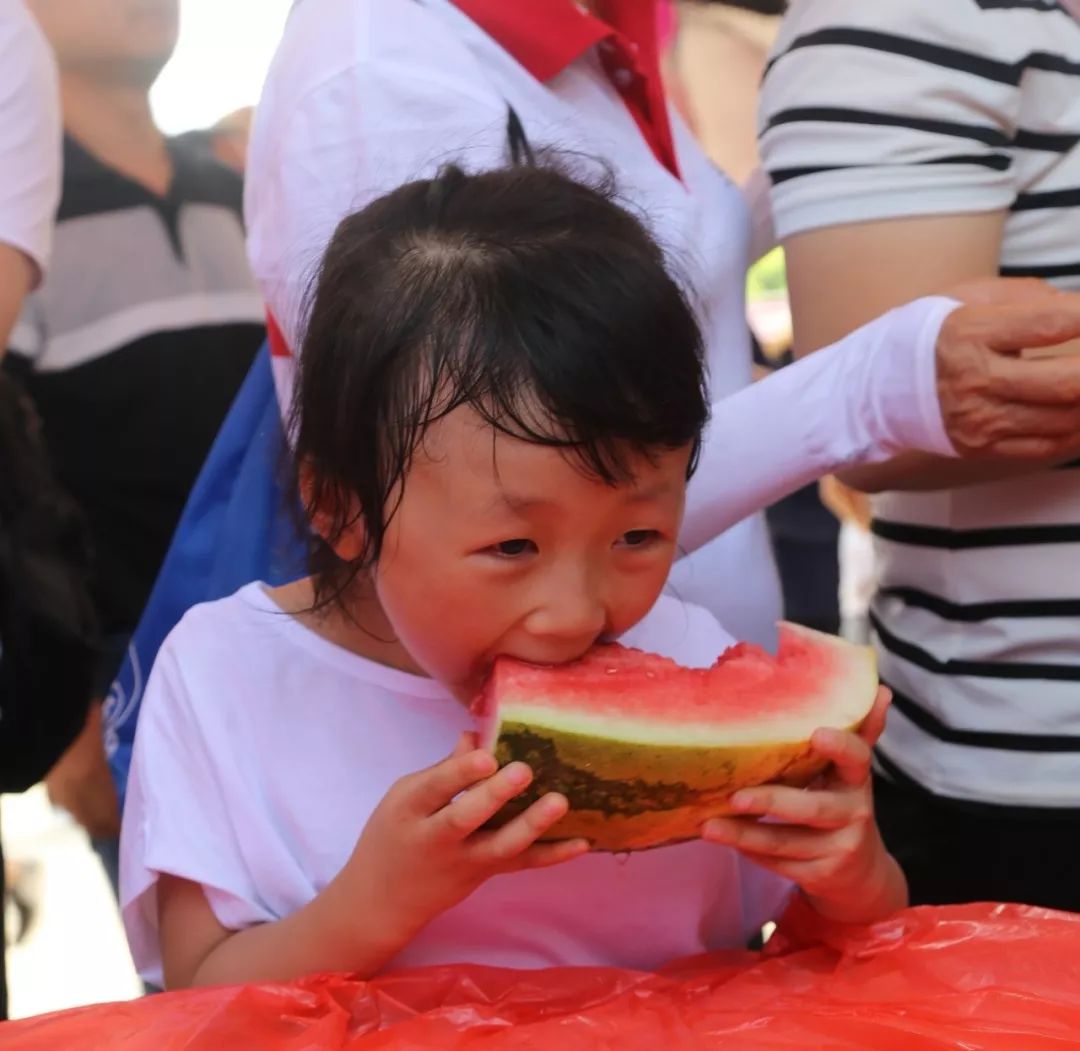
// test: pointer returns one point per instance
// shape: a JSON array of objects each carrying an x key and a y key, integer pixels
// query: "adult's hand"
[
  {"x": 929, "y": 396},
  {"x": 999, "y": 400}
]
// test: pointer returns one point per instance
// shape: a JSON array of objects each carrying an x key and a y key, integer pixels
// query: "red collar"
[{"x": 545, "y": 36}]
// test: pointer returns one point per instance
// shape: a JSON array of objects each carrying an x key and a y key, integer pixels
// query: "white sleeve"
[
  {"x": 30, "y": 136},
  {"x": 401, "y": 99},
  {"x": 178, "y": 819},
  {"x": 875, "y": 109},
  {"x": 686, "y": 633},
  {"x": 860, "y": 401}
]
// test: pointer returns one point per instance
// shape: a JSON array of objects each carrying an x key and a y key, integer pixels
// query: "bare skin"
[
  {"x": 16, "y": 276},
  {"x": 999, "y": 432}
]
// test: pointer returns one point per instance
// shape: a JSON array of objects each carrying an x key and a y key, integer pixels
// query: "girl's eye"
[
  {"x": 514, "y": 548},
  {"x": 638, "y": 537}
]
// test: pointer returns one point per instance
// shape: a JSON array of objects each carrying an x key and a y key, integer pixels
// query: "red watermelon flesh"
[{"x": 645, "y": 750}]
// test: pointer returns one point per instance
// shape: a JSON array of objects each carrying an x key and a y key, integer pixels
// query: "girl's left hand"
[{"x": 824, "y": 838}]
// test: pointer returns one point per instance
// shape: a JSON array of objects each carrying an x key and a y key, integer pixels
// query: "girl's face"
[{"x": 502, "y": 547}]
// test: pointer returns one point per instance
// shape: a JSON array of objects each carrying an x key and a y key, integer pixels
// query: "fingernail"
[
  {"x": 715, "y": 830},
  {"x": 741, "y": 802},
  {"x": 518, "y": 774}
]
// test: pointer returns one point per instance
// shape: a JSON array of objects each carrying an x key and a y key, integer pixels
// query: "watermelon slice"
[{"x": 646, "y": 750}]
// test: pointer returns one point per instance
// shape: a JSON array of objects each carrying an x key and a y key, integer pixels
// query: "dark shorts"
[{"x": 954, "y": 853}]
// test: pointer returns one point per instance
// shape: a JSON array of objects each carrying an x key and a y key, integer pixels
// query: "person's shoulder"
[
  {"x": 686, "y": 633},
  {"x": 226, "y": 629},
  {"x": 352, "y": 37}
]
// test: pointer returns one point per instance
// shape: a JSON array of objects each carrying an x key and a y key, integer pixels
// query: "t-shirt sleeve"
[
  {"x": 866, "y": 398},
  {"x": 30, "y": 136},
  {"x": 682, "y": 631},
  {"x": 885, "y": 109},
  {"x": 177, "y": 814},
  {"x": 398, "y": 100}
]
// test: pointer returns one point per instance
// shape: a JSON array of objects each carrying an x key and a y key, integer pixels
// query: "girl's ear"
[{"x": 327, "y": 509}]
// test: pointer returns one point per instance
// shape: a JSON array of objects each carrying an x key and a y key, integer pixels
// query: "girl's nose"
[{"x": 568, "y": 621}]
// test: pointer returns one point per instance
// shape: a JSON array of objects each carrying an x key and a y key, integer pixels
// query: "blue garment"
[{"x": 237, "y": 526}]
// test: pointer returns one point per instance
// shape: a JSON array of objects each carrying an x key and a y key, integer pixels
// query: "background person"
[
  {"x": 132, "y": 355},
  {"x": 913, "y": 145},
  {"x": 29, "y": 192}
]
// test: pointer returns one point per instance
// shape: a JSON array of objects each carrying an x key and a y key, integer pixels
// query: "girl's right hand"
[{"x": 424, "y": 848}]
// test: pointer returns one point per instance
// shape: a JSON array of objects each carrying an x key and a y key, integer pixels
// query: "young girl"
[{"x": 500, "y": 401}]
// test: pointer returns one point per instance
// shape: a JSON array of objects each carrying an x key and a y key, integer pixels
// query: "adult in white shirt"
[
  {"x": 29, "y": 193},
  {"x": 401, "y": 87}
]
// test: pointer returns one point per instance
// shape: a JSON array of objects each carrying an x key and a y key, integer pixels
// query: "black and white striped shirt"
[{"x": 876, "y": 109}]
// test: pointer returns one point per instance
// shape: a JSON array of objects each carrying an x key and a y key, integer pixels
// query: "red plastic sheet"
[{"x": 980, "y": 978}]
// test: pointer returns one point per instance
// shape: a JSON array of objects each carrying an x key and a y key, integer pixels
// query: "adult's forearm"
[
  {"x": 16, "y": 274},
  {"x": 924, "y": 472},
  {"x": 864, "y": 400}
]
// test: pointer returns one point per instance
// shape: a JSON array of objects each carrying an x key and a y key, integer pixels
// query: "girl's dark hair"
[{"x": 525, "y": 294}]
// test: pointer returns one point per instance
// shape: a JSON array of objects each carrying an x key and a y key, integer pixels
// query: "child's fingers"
[
  {"x": 848, "y": 753},
  {"x": 775, "y": 841},
  {"x": 430, "y": 790},
  {"x": 518, "y": 835},
  {"x": 468, "y": 741},
  {"x": 465, "y": 814},
  {"x": 544, "y": 855},
  {"x": 795, "y": 806},
  {"x": 874, "y": 724}
]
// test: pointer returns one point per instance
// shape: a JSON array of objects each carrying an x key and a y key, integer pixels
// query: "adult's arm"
[
  {"x": 16, "y": 276},
  {"x": 932, "y": 377},
  {"x": 891, "y": 176},
  {"x": 921, "y": 256},
  {"x": 29, "y": 159}
]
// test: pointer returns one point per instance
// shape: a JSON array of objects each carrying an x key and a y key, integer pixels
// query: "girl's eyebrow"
[{"x": 521, "y": 503}]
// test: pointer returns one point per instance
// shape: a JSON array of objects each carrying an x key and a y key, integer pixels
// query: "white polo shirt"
[
  {"x": 364, "y": 95},
  {"x": 30, "y": 135}
]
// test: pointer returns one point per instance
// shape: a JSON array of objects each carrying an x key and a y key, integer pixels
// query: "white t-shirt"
[
  {"x": 30, "y": 135},
  {"x": 401, "y": 87},
  {"x": 881, "y": 109},
  {"x": 262, "y": 749}
]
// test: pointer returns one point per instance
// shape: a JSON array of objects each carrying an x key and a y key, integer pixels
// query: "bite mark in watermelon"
[{"x": 646, "y": 750}]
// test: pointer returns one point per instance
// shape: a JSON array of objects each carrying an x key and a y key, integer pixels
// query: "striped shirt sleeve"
[{"x": 875, "y": 109}]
